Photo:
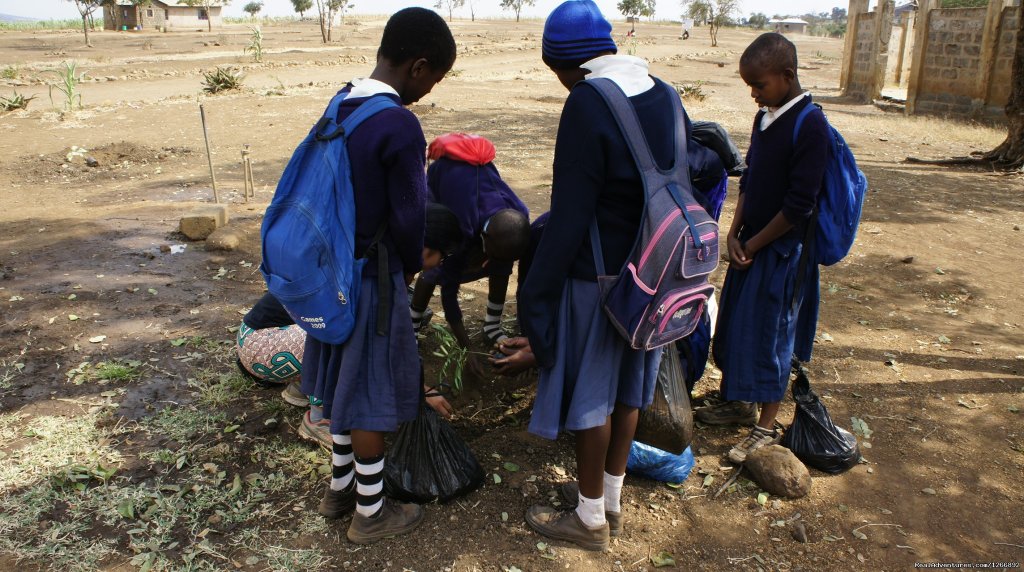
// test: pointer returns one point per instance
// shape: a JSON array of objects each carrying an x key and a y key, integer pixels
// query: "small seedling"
[
  {"x": 67, "y": 82},
  {"x": 255, "y": 44},
  {"x": 691, "y": 90},
  {"x": 15, "y": 102},
  {"x": 222, "y": 79}
]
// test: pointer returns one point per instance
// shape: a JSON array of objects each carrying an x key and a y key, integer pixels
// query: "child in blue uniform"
[
  {"x": 495, "y": 230},
  {"x": 370, "y": 384},
  {"x": 591, "y": 382},
  {"x": 760, "y": 304}
]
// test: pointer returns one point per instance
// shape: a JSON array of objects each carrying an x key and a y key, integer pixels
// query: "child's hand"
[
  {"x": 738, "y": 257},
  {"x": 518, "y": 356},
  {"x": 437, "y": 401}
]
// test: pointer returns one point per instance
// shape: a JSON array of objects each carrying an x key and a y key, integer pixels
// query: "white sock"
[
  {"x": 613, "y": 492},
  {"x": 591, "y": 511}
]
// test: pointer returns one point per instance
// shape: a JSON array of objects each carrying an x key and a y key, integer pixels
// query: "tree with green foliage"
[
  {"x": 516, "y": 5},
  {"x": 253, "y": 8},
  {"x": 86, "y": 8},
  {"x": 633, "y": 9},
  {"x": 301, "y": 6},
  {"x": 715, "y": 12},
  {"x": 206, "y": 5},
  {"x": 964, "y": 3},
  {"x": 328, "y": 11},
  {"x": 449, "y": 6},
  {"x": 757, "y": 21}
]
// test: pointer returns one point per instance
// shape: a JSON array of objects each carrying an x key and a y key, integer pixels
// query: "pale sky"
[{"x": 666, "y": 9}]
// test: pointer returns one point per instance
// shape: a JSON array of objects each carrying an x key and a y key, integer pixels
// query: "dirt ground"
[{"x": 127, "y": 440}]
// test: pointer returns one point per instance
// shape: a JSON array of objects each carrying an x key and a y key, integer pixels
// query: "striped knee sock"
[
  {"x": 369, "y": 485},
  {"x": 492, "y": 322},
  {"x": 342, "y": 467},
  {"x": 417, "y": 318}
]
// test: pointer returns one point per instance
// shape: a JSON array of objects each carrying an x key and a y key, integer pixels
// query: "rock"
[
  {"x": 779, "y": 472},
  {"x": 907, "y": 259},
  {"x": 799, "y": 532},
  {"x": 90, "y": 162},
  {"x": 1016, "y": 227},
  {"x": 202, "y": 221},
  {"x": 928, "y": 491},
  {"x": 224, "y": 238}
]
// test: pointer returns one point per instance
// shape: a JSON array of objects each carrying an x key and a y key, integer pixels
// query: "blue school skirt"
[
  {"x": 594, "y": 368},
  {"x": 371, "y": 382},
  {"x": 759, "y": 327}
]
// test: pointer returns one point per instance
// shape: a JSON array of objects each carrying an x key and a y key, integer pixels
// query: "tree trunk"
[
  {"x": 85, "y": 28},
  {"x": 1010, "y": 153},
  {"x": 517, "y": 14}
]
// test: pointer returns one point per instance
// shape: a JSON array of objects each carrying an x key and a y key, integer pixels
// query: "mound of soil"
[{"x": 121, "y": 160}]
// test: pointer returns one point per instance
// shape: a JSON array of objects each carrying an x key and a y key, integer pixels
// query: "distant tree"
[
  {"x": 449, "y": 5},
  {"x": 207, "y": 5},
  {"x": 633, "y": 9},
  {"x": 301, "y": 6},
  {"x": 516, "y": 5},
  {"x": 253, "y": 8},
  {"x": 715, "y": 12},
  {"x": 838, "y": 15},
  {"x": 757, "y": 20},
  {"x": 328, "y": 10},
  {"x": 964, "y": 3},
  {"x": 86, "y": 8}
]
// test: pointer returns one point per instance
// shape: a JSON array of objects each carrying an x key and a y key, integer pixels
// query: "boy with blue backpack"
[
  {"x": 769, "y": 303},
  {"x": 342, "y": 240}
]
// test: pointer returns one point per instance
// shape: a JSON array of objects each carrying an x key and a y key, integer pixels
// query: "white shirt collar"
[
  {"x": 630, "y": 73},
  {"x": 365, "y": 87},
  {"x": 771, "y": 114}
]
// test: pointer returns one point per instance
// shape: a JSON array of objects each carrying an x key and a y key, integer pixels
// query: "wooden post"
[
  {"x": 883, "y": 34},
  {"x": 209, "y": 155},
  {"x": 989, "y": 51},
  {"x": 920, "y": 51},
  {"x": 857, "y": 7}
]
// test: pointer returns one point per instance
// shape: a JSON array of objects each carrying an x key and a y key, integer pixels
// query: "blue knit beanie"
[{"x": 574, "y": 33}]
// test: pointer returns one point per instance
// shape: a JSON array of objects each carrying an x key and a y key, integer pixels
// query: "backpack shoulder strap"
[
  {"x": 807, "y": 110},
  {"x": 327, "y": 128},
  {"x": 626, "y": 117}
]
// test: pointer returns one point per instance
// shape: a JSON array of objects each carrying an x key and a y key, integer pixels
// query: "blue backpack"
[
  {"x": 308, "y": 232},
  {"x": 841, "y": 199}
]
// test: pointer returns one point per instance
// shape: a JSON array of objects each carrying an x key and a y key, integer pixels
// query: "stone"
[
  {"x": 799, "y": 532},
  {"x": 779, "y": 472},
  {"x": 224, "y": 238},
  {"x": 202, "y": 221}
]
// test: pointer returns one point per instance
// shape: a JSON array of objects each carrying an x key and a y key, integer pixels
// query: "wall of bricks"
[
  {"x": 952, "y": 64},
  {"x": 863, "y": 55}
]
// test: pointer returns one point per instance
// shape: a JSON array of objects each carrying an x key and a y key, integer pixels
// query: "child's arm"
[
  {"x": 404, "y": 155},
  {"x": 737, "y": 256}
]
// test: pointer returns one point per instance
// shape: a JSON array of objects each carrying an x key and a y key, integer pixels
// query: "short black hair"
[
  {"x": 507, "y": 235},
  {"x": 770, "y": 52},
  {"x": 413, "y": 33},
  {"x": 442, "y": 231}
]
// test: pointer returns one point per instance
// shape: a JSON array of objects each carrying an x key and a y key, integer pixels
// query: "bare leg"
[
  {"x": 421, "y": 295},
  {"x": 624, "y": 421},
  {"x": 591, "y": 455},
  {"x": 768, "y": 413},
  {"x": 367, "y": 444}
]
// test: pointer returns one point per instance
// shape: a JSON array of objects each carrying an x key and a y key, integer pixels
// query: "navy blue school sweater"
[
  {"x": 388, "y": 156},
  {"x": 594, "y": 174},
  {"x": 781, "y": 177}
]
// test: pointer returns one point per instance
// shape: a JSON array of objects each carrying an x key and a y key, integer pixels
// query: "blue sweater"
[
  {"x": 781, "y": 177},
  {"x": 594, "y": 175},
  {"x": 388, "y": 157}
]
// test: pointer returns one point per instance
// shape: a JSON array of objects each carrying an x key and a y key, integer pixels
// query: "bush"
[
  {"x": 222, "y": 79},
  {"x": 16, "y": 101}
]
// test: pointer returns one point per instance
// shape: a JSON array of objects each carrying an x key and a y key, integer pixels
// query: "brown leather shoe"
[
  {"x": 394, "y": 519},
  {"x": 337, "y": 504},
  {"x": 570, "y": 493},
  {"x": 566, "y": 525}
]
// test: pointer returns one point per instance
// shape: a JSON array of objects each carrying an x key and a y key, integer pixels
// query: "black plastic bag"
[
  {"x": 813, "y": 437},
  {"x": 429, "y": 461},
  {"x": 668, "y": 423}
]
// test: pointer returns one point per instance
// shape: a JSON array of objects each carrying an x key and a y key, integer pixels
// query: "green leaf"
[
  {"x": 944, "y": 339},
  {"x": 511, "y": 467},
  {"x": 72, "y": 317},
  {"x": 178, "y": 342},
  {"x": 231, "y": 428},
  {"x": 504, "y": 517},
  {"x": 236, "y": 486},
  {"x": 126, "y": 509},
  {"x": 762, "y": 499},
  {"x": 152, "y": 291},
  {"x": 1012, "y": 409},
  {"x": 861, "y": 428},
  {"x": 542, "y": 546},
  {"x": 72, "y": 296},
  {"x": 708, "y": 480},
  {"x": 497, "y": 478},
  {"x": 662, "y": 559}
]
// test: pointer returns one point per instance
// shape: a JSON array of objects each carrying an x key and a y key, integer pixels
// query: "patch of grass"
[
  {"x": 222, "y": 390},
  {"x": 15, "y": 102},
  {"x": 117, "y": 370},
  {"x": 691, "y": 90},
  {"x": 183, "y": 424},
  {"x": 69, "y": 24},
  {"x": 9, "y": 369},
  {"x": 10, "y": 72},
  {"x": 222, "y": 79}
]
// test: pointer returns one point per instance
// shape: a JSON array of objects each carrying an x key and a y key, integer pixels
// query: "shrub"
[
  {"x": 222, "y": 79},
  {"x": 16, "y": 101}
]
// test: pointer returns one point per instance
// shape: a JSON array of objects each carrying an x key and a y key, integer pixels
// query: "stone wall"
[
  {"x": 999, "y": 90},
  {"x": 863, "y": 56}
]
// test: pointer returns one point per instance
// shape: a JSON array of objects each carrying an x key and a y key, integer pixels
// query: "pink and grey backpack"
[{"x": 661, "y": 292}]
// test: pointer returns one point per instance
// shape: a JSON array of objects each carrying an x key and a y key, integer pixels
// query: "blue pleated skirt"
[
  {"x": 759, "y": 327},
  {"x": 371, "y": 382},
  {"x": 594, "y": 368}
]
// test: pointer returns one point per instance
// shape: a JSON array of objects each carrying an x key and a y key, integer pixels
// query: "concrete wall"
[
  {"x": 187, "y": 18},
  {"x": 952, "y": 68},
  {"x": 861, "y": 72}
]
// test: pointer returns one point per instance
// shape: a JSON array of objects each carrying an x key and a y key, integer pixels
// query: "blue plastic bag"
[{"x": 647, "y": 461}]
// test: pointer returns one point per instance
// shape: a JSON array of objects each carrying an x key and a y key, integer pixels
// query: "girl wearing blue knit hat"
[{"x": 591, "y": 381}]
